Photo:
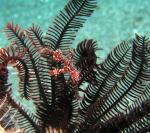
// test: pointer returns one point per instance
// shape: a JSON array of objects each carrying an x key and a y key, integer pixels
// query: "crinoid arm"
[{"x": 52, "y": 75}]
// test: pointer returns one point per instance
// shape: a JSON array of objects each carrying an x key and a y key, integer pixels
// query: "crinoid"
[{"x": 50, "y": 73}]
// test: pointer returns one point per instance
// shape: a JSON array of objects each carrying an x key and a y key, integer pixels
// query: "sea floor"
[{"x": 112, "y": 22}]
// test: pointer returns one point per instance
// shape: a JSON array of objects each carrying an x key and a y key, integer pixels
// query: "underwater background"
[{"x": 112, "y": 22}]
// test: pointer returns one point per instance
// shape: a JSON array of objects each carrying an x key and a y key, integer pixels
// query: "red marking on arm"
[
  {"x": 16, "y": 28},
  {"x": 68, "y": 63}
]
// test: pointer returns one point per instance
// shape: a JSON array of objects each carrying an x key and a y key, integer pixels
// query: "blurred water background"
[{"x": 112, "y": 22}]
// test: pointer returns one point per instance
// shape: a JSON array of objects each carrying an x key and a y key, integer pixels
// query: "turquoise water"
[{"x": 112, "y": 22}]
